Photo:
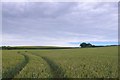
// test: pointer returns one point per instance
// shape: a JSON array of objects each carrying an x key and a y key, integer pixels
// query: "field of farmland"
[{"x": 61, "y": 63}]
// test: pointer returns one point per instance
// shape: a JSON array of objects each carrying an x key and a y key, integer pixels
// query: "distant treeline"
[
  {"x": 89, "y": 45},
  {"x": 82, "y": 45},
  {"x": 14, "y": 48}
]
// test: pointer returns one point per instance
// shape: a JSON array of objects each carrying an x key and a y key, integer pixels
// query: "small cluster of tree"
[{"x": 84, "y": 45}]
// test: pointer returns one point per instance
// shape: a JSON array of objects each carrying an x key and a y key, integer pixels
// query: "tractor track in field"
[
  {"x": 16, "y": 70},
  {"x": 56, "y": 70}
]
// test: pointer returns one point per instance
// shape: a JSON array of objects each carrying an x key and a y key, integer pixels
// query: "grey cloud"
[
  {"x": 59, "y": 23},
  {"x": 36, "y": 10}
]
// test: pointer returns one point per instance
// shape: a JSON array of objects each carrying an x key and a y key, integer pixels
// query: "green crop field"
[{"x": 61, "y": 63}]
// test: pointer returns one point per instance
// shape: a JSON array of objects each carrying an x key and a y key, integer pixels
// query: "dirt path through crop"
[
  {"x": 55, "y": 69},
  {"x": 16, "y": 70}
]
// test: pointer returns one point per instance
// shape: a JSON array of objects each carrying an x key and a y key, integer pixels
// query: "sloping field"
[
  {"x": 62, "y": 63},
  {"x": 36, "y": 68},
  {"x": 11, "y": 63}
]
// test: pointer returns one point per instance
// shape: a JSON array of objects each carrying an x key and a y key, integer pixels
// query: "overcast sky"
[{"x": 59, "y": 24}]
